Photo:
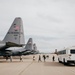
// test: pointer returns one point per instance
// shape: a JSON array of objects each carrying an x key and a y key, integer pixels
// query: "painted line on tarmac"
[{"x": 25, "y": 68}]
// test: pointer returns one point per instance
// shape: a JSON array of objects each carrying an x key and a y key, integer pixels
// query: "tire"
[
  {"x": 59, "y": 60},
  {"x": 64, "y": 62}
]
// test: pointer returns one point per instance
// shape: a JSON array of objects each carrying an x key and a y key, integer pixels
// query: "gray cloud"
[{"x": 49, "y": 18}]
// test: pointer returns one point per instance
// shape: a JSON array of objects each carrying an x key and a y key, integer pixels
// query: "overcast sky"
[{"x": 51, "y": 23}]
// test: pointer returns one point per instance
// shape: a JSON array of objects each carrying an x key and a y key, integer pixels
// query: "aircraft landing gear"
[
  {"x": 6, "y": 58},
  {"x": 21, "y": 58},
  {"x": 11, "y": 58}
]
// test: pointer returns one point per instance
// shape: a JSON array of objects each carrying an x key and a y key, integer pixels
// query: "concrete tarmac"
[{"x": 30, "y": 67}]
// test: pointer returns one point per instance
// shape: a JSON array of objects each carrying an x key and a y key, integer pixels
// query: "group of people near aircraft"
[
  {"x": 14, "y": 43},
  {"x": 44, "y": 57}
]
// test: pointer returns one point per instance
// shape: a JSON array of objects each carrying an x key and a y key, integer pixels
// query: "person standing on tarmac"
[
  {"x": 33, "y": 58},
  {"x": 53, "y": 58},
  {"x": 21, "y": 58},
  {"x": 39, "y": 58},
  {"x": 44, "y": 57}
]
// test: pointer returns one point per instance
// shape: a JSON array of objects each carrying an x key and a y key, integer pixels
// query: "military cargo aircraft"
[{"x": 12, "y": 44}]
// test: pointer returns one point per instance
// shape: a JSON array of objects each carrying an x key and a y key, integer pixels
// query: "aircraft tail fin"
[
  {"x": 15, "y": 34},
  {"x": 34, "y": 47},
  {"x": 29, "y": 45}
]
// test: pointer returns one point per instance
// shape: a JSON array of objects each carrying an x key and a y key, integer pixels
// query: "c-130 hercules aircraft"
[{"x": 12, "y": 44}]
